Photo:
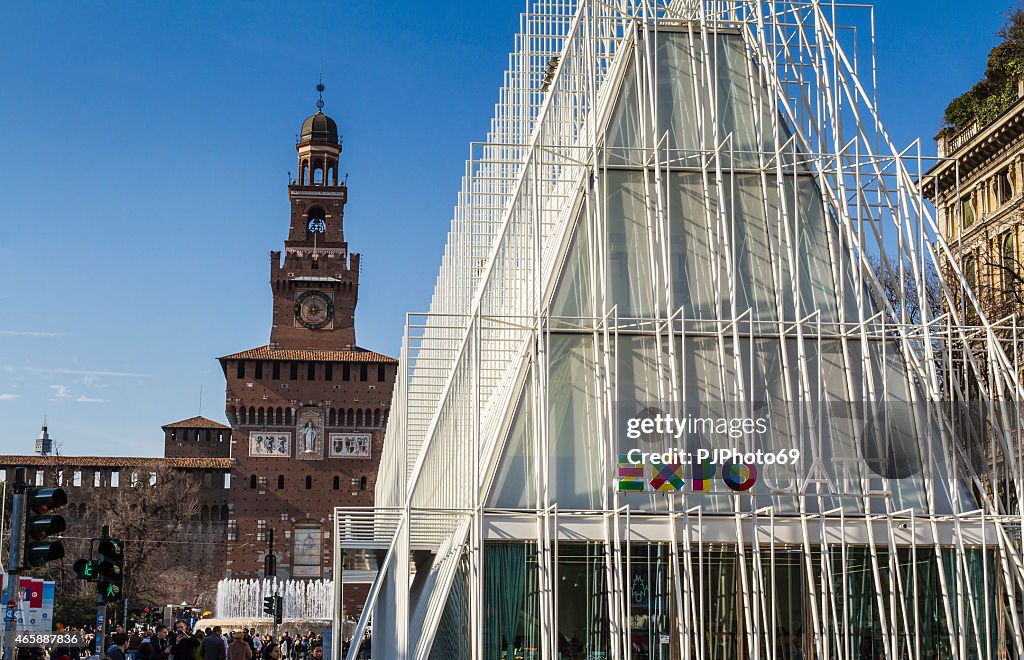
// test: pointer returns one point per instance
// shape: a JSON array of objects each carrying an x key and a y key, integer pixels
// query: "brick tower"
[{"x": 307, "y": 411}]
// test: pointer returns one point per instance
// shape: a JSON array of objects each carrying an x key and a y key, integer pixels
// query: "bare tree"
[
  {"x": 902, "y": 290},
  {"x": 150, "y": 514}
]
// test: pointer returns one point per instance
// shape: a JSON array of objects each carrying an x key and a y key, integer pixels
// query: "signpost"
[{"x": 14, "y": 562}]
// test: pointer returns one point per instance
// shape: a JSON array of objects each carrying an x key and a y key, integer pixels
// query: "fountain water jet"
[{"x": 301, "y": 599}]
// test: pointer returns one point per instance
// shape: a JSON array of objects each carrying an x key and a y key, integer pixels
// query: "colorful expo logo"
[{"x": 667, "y": 472}]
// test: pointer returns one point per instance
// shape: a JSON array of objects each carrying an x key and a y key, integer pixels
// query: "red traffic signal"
[
  {"x": 41, "y": 500},
  {"x": 39, "y": 526}
]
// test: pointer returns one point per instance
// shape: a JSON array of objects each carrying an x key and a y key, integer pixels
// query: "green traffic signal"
[
  {"x": 85, "y": 569},
  {"x": 110, "y": 569}
]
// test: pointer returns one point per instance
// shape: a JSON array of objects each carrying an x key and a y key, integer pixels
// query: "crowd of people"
[{"x": 182, "y": 643}]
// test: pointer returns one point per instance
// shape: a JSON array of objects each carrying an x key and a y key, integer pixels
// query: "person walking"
[
  {"x": 271, "y": 651},
  {"x": 160, "y": 643},
  {"x": 119, "y": 647},
  {"x": 213, "y": 646},
  {"x": 184, "y": 645},
  {"x": 239, "y": 650}
]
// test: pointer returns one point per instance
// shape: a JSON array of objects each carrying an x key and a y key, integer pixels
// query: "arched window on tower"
[
  {"x": 309, "y": 482},
  {"x": 316, "y": 223},
  {"x": 362, "y": 483},
  {"x": 280, "y": 482},
  {"x": 252, "y": 481},
  {"x": 337, "y": 482}
]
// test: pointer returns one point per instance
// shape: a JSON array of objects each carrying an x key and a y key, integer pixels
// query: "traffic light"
[
  {"x": 274, "y": 606},
  {"x": 85, "y": 569},
  {"x": 40, "y": 524},
  {"x": 110, "y": 569}
]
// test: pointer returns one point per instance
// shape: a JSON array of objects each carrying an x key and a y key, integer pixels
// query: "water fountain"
[{"x": 302, "y": 600}]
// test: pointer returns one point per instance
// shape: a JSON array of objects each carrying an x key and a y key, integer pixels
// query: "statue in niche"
[{"x": 309, "y": 436}]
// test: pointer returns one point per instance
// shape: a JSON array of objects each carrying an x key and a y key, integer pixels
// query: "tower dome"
[{"x": 319, "y": 128}]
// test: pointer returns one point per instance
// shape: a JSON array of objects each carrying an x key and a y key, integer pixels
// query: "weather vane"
[{"x": 320, "y": 89}]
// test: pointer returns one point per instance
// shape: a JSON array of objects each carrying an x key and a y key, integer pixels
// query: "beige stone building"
[{"x": 977, "y": 191}]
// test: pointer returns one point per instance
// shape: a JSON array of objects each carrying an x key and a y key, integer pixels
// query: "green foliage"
[
  {"x": 76, "y": 610},
  {"x": 997, "y": 91}
]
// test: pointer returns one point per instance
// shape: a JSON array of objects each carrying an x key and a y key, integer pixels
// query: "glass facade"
[{"x": 691, "y": 224}]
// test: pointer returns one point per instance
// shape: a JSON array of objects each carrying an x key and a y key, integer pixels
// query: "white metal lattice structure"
[{"x": 682, "y": 202}]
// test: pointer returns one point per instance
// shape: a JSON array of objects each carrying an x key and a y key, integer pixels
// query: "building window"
[
  {"x": 309, "y": 482},
  {"x": 262, "y": 483},
  {"x": 173, "y": 434},
  {"x": 259, "y": 371},
  {"x": 241, "y": 369},
  {"x": 40, "y": 477},
  {"x": 293, "y": 372},
  {"x": 252, "y": 481},
  {"x": 311, "y": 371},
  {"x": 362, "y": 371},
  {"x": 232, "y": 530},
  {"x": 362, "y": 483},
  {"x": 380, "y": 373},
  {"x": 135, "y": 478},
  {"x": 328, "y": 371},
  {"x": 115, "y": 478},
  {"x": 227, "y": 480},
  {"x": 261, "y": 530},
  {"x": 1004, "y": 189},
  {"x": 337, "y": 483},
  {"x": 1008, "y": 258},
  {"x": 967, "y": 210},
  {"x": 76, "y": 478},
  {"x": 152, "y": 478},
  {"x": 275, "y": 371},
  {"x": 346, "y": 371},
  {"x": 280, "y": 482},
  {"x": 97, "y": 479}
]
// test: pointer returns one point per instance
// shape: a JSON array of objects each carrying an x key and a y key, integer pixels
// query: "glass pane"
[
  {"x": 511, "y": 601},
  {"x": 573, "y": 408},
  {"x": 514, "y": 485},
  {"x": 582, "y": 602},
  {"x": 451, "y": 641}
]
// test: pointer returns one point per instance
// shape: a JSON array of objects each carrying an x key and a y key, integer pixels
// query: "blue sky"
[{"x": 144, "y": 152}]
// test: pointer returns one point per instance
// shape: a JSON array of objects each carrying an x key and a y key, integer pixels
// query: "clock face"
[
  {"x": 314, "y": 309},
  {"x": 317, "y": 226}
]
